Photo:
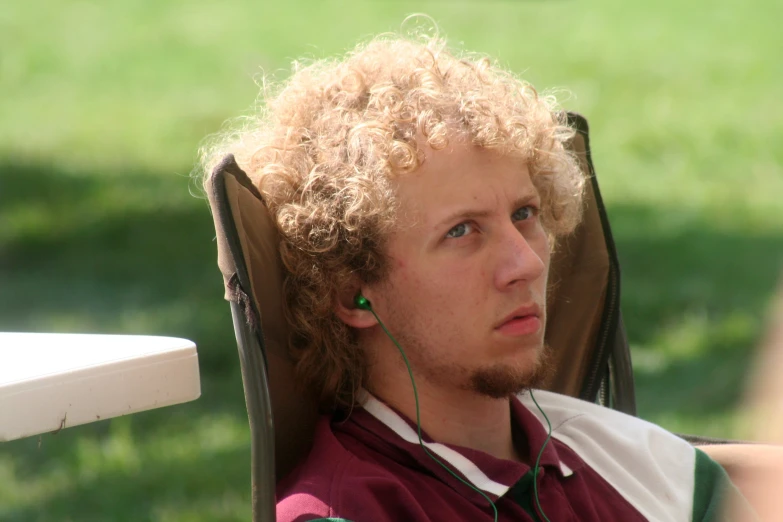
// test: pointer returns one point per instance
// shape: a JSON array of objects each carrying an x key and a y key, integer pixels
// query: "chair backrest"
[{"x": 583, "y": 327}]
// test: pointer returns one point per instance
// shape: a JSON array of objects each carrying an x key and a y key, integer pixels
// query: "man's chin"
[{"x": 505, "y": 380}]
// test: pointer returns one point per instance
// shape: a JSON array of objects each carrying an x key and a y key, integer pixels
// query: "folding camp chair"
[{"x": 584, "y": 323}]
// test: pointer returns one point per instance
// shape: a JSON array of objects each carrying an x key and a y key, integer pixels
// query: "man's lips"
[{"x": 525, "y": 320}]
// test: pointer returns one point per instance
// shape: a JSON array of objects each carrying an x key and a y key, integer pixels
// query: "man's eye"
[
  {"x": 463, "y": 229},
  {"x": 524, "y": 213}
]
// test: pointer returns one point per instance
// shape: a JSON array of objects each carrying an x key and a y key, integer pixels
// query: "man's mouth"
[{"x": 523, "y": 321}]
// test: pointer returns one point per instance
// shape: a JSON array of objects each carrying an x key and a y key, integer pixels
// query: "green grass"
[{"x": 104, "y": 106}]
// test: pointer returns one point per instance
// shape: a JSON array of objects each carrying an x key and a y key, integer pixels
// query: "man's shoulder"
[
  {"x": 589, "y": 427},
  {"x": 642, "y": 461},
  {"x": 334, "y": 482},
  {"x": 571, "y": 414}
]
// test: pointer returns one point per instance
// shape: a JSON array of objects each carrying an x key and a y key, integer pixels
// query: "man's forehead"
[{"x": 463, "y": 176}]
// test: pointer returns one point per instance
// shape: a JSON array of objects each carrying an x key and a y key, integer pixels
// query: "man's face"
[{"x": 465, "y": 295}]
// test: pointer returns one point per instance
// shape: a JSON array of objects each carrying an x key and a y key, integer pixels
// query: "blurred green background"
[{"x": 104, "y": 105}]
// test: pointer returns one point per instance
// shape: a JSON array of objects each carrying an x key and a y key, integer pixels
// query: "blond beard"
[{"x": 503, "y": 380}]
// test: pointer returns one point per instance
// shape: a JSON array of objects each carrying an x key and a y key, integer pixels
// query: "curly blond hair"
[{"x": 325, "y": 146}]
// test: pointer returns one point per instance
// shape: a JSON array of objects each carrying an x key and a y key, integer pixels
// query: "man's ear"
[{"x": 345, "y": 308}]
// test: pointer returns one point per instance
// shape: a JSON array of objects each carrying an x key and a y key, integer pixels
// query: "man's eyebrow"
[{"x": 467, "y": 213}]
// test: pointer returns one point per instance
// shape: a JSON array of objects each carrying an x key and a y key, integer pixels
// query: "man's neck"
[{"x": 456, "y": 417}]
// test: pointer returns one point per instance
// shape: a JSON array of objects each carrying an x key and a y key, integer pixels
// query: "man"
[{"x": 419, "y": 197}]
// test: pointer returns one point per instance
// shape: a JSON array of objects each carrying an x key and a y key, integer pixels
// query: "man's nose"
[{"x": 520, "y": 258}]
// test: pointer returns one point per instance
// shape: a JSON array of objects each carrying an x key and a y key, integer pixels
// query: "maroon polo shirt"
[{"x": 364, "y": 471}]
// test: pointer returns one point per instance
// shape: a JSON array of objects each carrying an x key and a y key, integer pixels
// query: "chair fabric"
[{"x": 584, "y": 295}]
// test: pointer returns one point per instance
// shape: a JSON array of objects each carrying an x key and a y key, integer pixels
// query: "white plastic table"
[{"x": 53, "y": 381}]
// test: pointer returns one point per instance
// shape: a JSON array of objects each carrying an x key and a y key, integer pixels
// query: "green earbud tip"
[{"x": 362, "y": 302}]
